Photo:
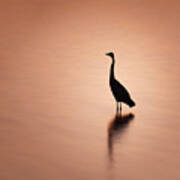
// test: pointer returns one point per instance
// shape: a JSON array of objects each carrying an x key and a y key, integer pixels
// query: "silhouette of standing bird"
[{"x": 118, "y": 90}]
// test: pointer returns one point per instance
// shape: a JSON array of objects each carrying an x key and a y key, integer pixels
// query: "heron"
[{"x": 119, "y": 92}]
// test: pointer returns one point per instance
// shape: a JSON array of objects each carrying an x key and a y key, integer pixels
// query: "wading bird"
[{"x": 118, "y": 90}]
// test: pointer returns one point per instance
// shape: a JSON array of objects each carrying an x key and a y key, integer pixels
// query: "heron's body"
[{"x": 119, "y": 92}]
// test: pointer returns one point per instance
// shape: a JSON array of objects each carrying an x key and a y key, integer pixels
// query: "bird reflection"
[{"x": 116, "y": 128}]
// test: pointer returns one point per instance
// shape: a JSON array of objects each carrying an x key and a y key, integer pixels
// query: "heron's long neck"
[{"x": 112, "y": 69}]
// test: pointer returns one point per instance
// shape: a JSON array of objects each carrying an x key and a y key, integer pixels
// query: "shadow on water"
[{"x": 116, "y": 128}]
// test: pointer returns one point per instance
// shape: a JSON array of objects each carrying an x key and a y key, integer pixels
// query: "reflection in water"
[{"x": 116, "y": 127}]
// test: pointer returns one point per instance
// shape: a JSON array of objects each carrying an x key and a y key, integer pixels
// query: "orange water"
[{"x": 56, "y": 109}]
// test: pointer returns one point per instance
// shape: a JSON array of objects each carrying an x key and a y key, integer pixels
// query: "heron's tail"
[{"x": 131, "y": 103}]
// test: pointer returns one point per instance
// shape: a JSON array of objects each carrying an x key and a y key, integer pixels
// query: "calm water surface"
[{"x": 56, "y": 109}]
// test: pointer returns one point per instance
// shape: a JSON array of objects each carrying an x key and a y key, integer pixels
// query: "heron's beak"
[{"x": 107, "y": 54}]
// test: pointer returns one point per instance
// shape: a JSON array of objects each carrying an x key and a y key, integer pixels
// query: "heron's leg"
[
  {"x": 117, "y": 108},
  {"x": 120, "y": 108}
]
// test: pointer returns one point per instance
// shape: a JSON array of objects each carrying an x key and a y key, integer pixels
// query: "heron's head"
[{"x": 111, "y": 54}]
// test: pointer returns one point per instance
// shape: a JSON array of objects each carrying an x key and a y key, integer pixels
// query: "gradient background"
[{"x": 56, "y": 105}]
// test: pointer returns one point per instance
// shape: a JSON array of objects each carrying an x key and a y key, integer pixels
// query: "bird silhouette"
[{"x": 119, "y": 92}]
